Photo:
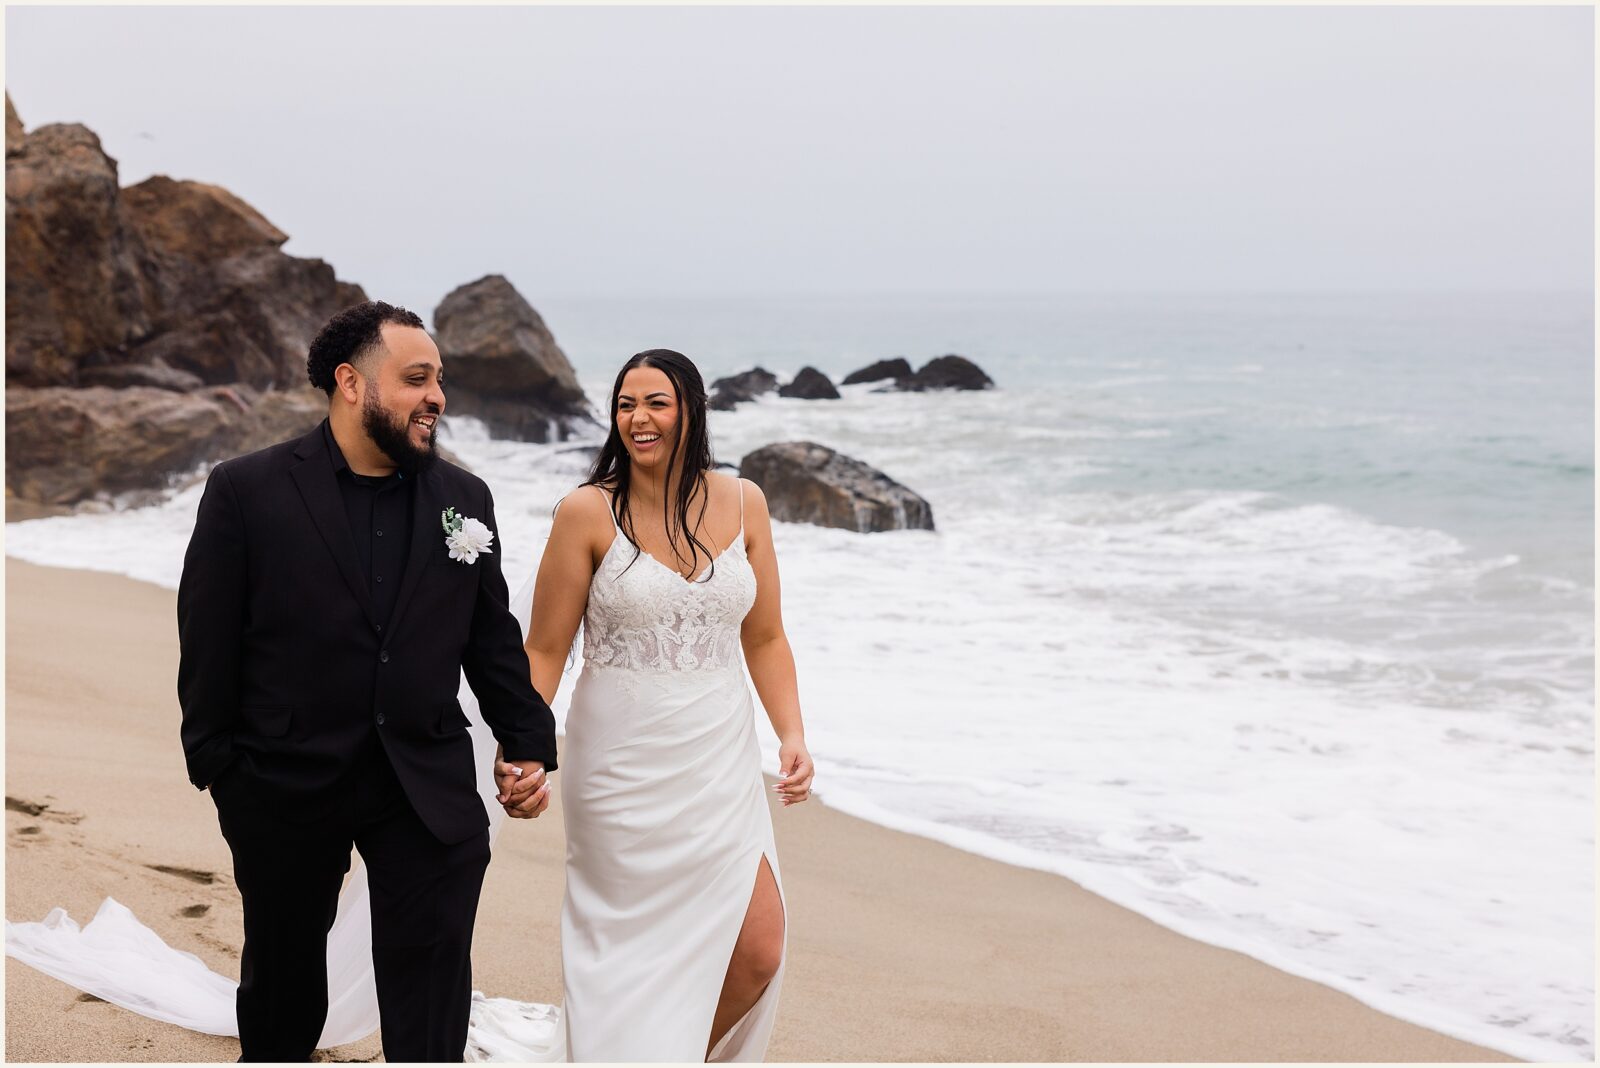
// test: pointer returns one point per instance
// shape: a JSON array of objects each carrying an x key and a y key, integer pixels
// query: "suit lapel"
[
  {"x": 427, "y": 534},
  {"x": 314, "y": 478}
]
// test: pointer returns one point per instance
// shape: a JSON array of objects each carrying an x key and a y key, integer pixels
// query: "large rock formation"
[
  {"x": 122, "y": 305},
  {"x": 502, "y": 365},
  {"x": 177, "y": 273},
  {"x": 152, "y": 329},
  {"x": 75, "y": 278},
  {"x": 809, "y": 384},
  {"x": 248, "y": 318},
  {"x": 69, "y": 445},
  {"x": 194, "y": 222},
  {"x": 809, "y": 483}
]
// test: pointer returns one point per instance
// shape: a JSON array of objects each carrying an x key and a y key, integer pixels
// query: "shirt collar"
[
  {"x": 334, "y": 454},
  {"x": 340, "y": 464}
]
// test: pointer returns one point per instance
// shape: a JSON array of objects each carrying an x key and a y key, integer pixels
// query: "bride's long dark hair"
[{"x": 612, "y": 469}]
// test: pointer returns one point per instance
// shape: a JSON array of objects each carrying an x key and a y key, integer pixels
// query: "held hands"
[
  {"x": 522, "y": 789},
  {"x": 795, "y": 763}
]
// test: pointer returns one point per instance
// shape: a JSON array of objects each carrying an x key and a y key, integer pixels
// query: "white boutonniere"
[{"x": 465, "y": 537}]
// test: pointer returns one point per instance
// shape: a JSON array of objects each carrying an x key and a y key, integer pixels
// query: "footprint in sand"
[
  {"x": 194, "y": 875},
  {"x": 194, "y": 912},
  {"x": 37, "y": 808},
  {"x": 218, "y": 944},
  {"x": 32, "y": 828}
]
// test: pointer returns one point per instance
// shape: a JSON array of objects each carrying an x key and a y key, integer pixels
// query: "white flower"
[{"x": 469, "y": 538}]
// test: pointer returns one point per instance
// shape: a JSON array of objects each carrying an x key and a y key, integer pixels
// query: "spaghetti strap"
[
  {"x": 610, "y": 511},
  {"x": 741, "y": 508}
]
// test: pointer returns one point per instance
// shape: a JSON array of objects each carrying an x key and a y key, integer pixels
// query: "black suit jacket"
[{"x": 284, "y": 675}]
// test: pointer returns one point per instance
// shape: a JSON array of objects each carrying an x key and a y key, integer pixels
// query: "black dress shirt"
[{"x": 379, "y": 510}]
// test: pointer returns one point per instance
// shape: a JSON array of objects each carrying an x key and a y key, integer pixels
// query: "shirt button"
[
  {"x": 379, "y": 533},
  {"x": 383, "y": 657},
  {"x": 380, "y": 719},
  {"x": 380, "y": 578},
  {"x": 378, "y": 627}
]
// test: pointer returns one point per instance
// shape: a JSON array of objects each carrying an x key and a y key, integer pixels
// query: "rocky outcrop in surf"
[
  {"x": 897, "y": 369},
  {"x": 809, "y": 384},
  {"x": 805, "y": 482},
  {"x": 947, "y": 372},
  {"x": 744, "y": 386},
  {"x": 503, "y": 366}
]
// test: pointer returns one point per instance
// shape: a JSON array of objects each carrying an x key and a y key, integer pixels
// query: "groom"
[{"x": 324, "y": 616}]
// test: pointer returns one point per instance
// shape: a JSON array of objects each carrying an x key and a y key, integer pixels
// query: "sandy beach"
[{"x": 901, "y": 949}]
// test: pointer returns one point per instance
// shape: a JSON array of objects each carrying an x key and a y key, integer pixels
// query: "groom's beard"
[{"x": 395, "y": 438}]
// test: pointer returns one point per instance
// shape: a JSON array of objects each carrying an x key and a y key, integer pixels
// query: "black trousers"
[{"x": 424, "y": 902}]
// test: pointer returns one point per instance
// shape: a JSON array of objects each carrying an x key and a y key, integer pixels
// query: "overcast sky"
[{"x": 717, "y": 150}]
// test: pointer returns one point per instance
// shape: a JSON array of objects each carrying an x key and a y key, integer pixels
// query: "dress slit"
[{"x": 762, "y": 1004}]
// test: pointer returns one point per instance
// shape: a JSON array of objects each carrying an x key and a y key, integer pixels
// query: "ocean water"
[{"x": 1271, "y": 618}]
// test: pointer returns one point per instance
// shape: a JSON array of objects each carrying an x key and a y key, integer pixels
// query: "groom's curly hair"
[{"x": 350, "y": 335}]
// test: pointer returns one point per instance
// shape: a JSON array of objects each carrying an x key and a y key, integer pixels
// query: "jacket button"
[
  {"x": 383, "y": 657},
  {"x": 380, "y": 719}
]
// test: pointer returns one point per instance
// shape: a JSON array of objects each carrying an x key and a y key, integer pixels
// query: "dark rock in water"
[
  {"x": 736, "y": 389},
  {"x": 948, "y": 372},
  {"x": 748, "y": 385},
  {"x": 810, "y": 384},
  {"x": 898, "y": 369},
  {"x": 809, "y": 483},
  {"x": 502, "y": 365},
  {"x": 157, "y": 375}
]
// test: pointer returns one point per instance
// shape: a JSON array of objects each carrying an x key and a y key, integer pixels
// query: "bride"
[{"x": 673, "y": 925}]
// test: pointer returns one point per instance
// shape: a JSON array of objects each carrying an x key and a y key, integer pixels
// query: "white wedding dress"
[
  {"x": 666, "y": 824},
  {"x": 666, "y": 817}
]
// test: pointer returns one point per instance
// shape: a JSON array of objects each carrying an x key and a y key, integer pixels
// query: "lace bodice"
[{"x": 648, "y": 617}]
